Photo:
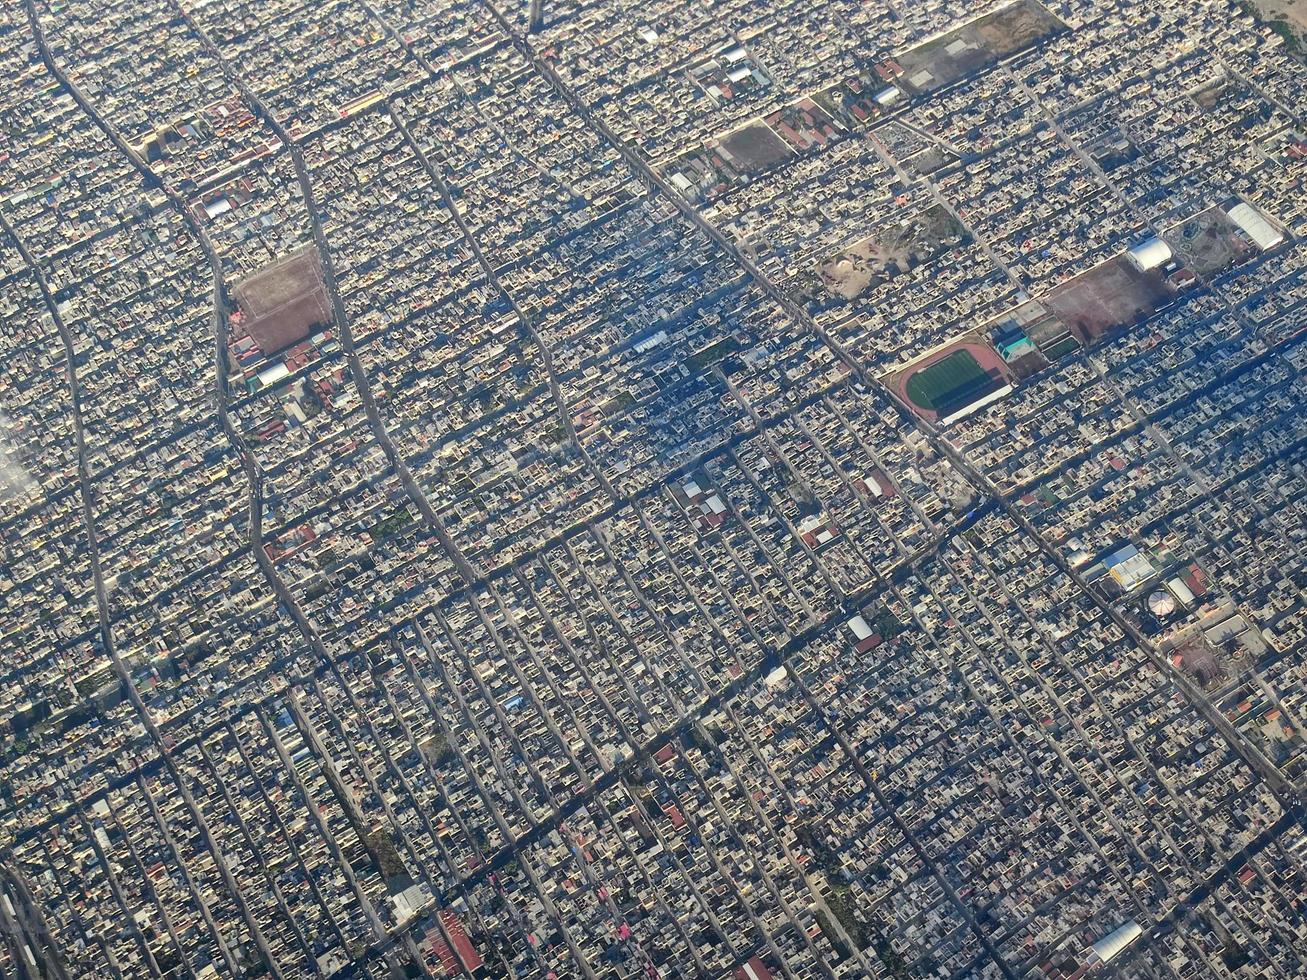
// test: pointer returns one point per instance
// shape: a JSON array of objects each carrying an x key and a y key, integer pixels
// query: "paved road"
[{"x": 35, "y": 954}]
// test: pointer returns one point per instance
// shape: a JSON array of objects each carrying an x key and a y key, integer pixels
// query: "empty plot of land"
[
  {"x": 956, "y": 54},
  {"x": 1288, "y": 18},
  {"x": 879, "y": 257},
  {"x": 929, "y": 160},
  {"x": 1015, "y": 27},
  {"x": 284, "y": 302},
  {"x": 1108, "y": 296},
  {"x": 1208, "y": 94}
]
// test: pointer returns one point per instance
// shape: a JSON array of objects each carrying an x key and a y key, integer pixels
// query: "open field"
[
  {"x": 1018, "y": 26},
  {"x": 1108, "y": 296},
  {"x": 754, "y": 148},
  {"x": 1207, "y": 95},
  {"x": 929, "y": 160},
  {"x": 1288, "y": 18},
  {"x": 878, "y": 258},
  {"x": 963, "y": 50},
  {"x": 283, "y": 302}
]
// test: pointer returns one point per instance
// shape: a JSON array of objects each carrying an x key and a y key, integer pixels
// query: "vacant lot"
[
  {"x": 1288, "y": 18},
  {"x": 929, "y": 160},
  {"x": 718, "y": 164},
  {"x": 879, "y": 257},
  {"x": 1210, "y": 92},
  {"x": 1016, "y": 27},
  {"x": 1113, "y": 294},
  {"x": 963, "y": 50}
]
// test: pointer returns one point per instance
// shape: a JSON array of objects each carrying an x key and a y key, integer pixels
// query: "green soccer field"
[{"x": 930, "y": 386}]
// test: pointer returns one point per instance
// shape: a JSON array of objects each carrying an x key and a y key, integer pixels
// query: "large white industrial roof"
[
  {"x": 1117, "y": 940},
  {"x": 1250, "y": 221},
  {"x": 1152, "y": 254}
]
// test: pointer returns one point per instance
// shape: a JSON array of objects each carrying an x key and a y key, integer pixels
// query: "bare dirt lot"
[
  {"x": 1288, "y": 18},
  {"x": 755, "y": 148},
  {"x": 283, "y": 302},
  {"x": 1012, "y": 28},
  {"x": 879, "y": 257},
  {"x": 961, "y": 51},
  {"x": 1108, "y": 296}
]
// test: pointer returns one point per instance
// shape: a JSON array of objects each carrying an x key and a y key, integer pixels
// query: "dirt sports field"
[
  {"x": 283, "y": 302},
  {"x": 754, "y": 148},
  {"x": 1113, "y": 294}
]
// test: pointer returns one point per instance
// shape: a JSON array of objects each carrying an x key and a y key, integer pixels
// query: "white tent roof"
[
  {"x": 1152, "y": 254},
  {"x": 271, "y": 375},
  {"x": 1180, "y": 591},
  {"x": 1250, "y": 221},
  {"x": 1114, "y": 942},
  {"x": 860, "y": 628},
  {"x": 874, "y": 486}
]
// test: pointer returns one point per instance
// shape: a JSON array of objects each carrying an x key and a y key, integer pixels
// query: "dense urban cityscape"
[{"x": 596, "y": 489}]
